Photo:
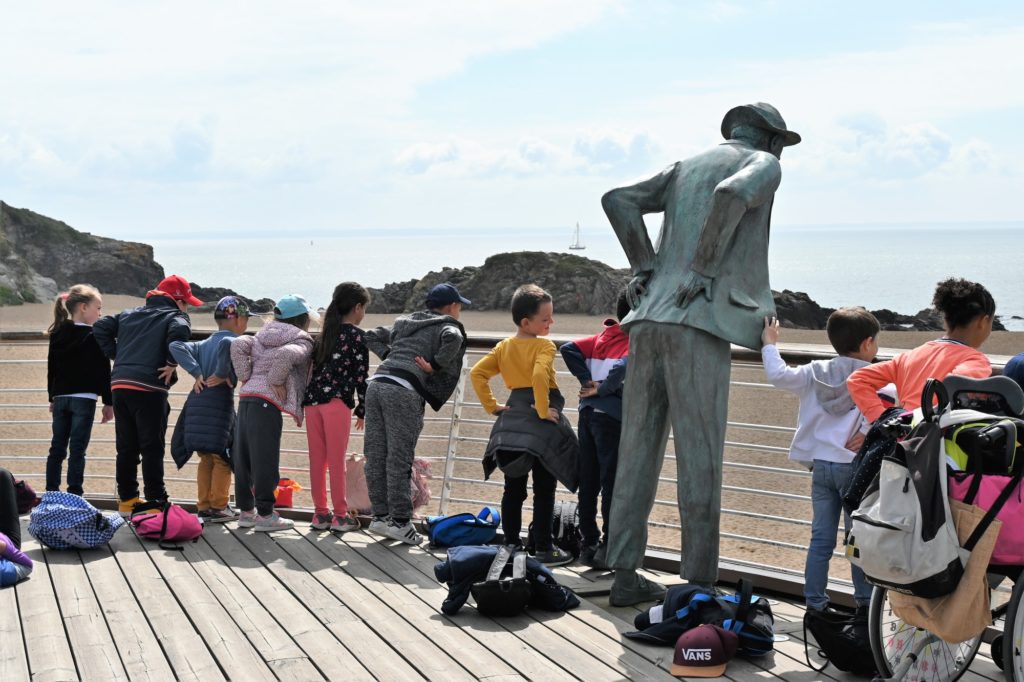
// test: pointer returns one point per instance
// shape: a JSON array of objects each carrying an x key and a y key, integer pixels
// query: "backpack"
[
  {"x": 463, "y": 529},
  {"x": 25, "y": 496},
  {"x": 687, "y": 606},
  {"x": 505, "y": 591},
  {"x": 903, "y": 535},
  {"x": 170, "y": 525},
  {"x": 841, "y": 640},
  {"x": 565, "y": 529},
  {"x": 66, "y": 521}
]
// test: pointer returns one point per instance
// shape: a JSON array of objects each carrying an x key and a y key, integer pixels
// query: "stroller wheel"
[{"x": 997, "y": 651}]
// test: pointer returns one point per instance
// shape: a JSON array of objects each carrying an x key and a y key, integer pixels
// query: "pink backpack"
[{"x": 170, "y": 525}]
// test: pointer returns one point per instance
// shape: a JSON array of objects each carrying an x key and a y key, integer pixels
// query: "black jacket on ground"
[
  {"x": 138, "y": 341},
  {"x": 75, "y": 363}
]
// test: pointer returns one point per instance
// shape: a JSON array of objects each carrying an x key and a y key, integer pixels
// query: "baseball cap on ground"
[
  {"x": 178, "y": 288},
  {"x": 704, "y": 651},
  {"x": 293, "y": 305},
  {"x": 443, "y": 294},
  {"x": 230, "y": 307}
]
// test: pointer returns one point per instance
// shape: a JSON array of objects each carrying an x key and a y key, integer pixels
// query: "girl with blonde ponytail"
[{"x": 77, "y": 375}]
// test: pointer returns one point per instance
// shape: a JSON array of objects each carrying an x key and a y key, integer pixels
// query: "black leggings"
[{"x": 10, "y": 524}]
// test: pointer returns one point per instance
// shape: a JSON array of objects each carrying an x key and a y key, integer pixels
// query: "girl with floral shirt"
[{"x": 340, "y": 366}]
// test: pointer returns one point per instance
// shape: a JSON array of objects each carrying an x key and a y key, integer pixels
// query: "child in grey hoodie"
[
  {"x": 829, "y": 432},
  {"x": 422, "y": 359}
]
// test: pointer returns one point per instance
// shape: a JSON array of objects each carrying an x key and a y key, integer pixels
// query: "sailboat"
[{"x": 577, "y": 241}]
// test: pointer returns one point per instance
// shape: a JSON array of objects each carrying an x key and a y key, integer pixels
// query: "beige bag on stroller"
[{"x": 966, "y": 612}]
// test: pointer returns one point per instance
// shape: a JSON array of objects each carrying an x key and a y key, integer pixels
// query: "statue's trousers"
[{"x": 677, "y": 376}]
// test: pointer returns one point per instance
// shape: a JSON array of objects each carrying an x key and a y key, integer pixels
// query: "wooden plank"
[
  {"x": 140, "y": 651},
  {"x": 188, "y": 655},
  {"x": 234, "y": 653},
  {"x": 13, "y": 657},
  {"x": 275, "y": 646},
  {"x": 49, "y": 653},
  {"x": 90, "y": 639},
  {"x": 374, "y": 566},
  {"x": 306, "y": 577},
  {"x": 327, "y": 653}
]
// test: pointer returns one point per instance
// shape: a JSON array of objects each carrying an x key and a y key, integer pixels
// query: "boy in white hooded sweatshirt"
[{"x": 829, "y": 432}]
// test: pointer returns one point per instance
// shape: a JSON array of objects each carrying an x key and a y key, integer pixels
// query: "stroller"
[{"x": 982, "y": 429}]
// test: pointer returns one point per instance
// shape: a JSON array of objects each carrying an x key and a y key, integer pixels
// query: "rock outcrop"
[
  {"x": 210, "y": 295},
  {"x": 40, "y": 255},
  {"x": 578, "y": 285}
]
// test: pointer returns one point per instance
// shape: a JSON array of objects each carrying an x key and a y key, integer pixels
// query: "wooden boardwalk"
[{"x": 303, "y": 605}]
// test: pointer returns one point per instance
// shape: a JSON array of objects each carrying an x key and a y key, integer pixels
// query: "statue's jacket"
[{"x": 737, "y": 259}]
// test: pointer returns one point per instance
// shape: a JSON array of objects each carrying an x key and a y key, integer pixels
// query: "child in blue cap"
[{"x": 272, "y": 368}]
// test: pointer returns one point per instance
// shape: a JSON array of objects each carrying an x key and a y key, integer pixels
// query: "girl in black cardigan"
[{"x": 77, "y": 375}]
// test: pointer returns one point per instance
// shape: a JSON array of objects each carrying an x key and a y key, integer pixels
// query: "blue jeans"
[
  {"x": 72, "y": 426},
  {"x": 827, "y": 484},
  {"x": 599, "y": 456}
]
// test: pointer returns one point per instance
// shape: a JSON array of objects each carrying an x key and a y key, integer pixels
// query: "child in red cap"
[{"x": 138, "y": 341}]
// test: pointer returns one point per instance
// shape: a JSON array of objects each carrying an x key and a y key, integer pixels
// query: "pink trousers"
[{"x": 327, "y": 430}]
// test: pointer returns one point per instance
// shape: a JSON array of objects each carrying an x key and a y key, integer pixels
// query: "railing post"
[{"x": 453, "y": 443}]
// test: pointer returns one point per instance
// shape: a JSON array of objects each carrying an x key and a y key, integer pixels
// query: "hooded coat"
[
  {"x": 279, "y": 354},
  {"x": 75, "y": 363},
  {"x": 440, "y": 339},
  {"x": 828, "y": 416}
]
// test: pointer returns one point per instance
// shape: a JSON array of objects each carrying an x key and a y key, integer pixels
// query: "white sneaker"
[
  {"x": 378, "y": 526},
  {"x": 247, "y": 519},
  {"x": 272, "y": 522},
  {"x": 405, "y": 533}
]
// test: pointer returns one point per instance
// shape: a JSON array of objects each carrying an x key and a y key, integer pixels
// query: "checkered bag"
[{"x": 66, "y": 521}]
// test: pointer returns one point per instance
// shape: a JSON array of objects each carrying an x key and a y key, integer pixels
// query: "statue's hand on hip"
[
  {"x": 692, "y": 286},
  {"x": 636, "y": 288}
]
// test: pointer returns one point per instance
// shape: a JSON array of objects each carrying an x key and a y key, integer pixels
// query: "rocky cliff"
[
  {"x": 578, "y": 284},
  {"x": 40, "y": 255}
]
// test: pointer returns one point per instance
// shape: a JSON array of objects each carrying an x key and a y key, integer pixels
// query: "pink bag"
[
  {"x": 358, "y": 497},
  {"x": 356, "y": 494},
  {"x": 172, "y": 524},
  {"x": 1009, "y": 549}
]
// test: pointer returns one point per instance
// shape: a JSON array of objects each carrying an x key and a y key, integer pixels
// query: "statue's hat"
[{"x": 760, "y": 115}]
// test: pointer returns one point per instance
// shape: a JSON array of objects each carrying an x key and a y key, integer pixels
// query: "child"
[
  {"x": 207, "y": 420},
  {"x": 340, "y": 364},
  {"x": 272, "y": 367},
  {"x": 530, "y": 433},
  {"x": 600, "y": 425},
  {"x": 15, "y": 565},
  {"x": 968, "y": 310},
  {"x": 138, "y": 341},
  {"x": 828, "y": 428},
  {"x": 77, "y": 375},
  {"x": 422, "y": 360}
]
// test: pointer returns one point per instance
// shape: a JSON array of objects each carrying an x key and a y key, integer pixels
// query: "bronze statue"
[{"x": 705, "y": 286}]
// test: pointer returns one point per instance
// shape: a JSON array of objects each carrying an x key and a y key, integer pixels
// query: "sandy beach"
[{"x": 756, "y": 459}]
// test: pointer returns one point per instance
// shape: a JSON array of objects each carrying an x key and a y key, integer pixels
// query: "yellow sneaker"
[{"x": 125, "y": 507}]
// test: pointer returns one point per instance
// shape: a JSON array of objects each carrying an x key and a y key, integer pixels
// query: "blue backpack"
[
  {"x": 687, "y": 606},
  {"x": 66, "y": 521},
  {"x": 464, "y": 529}
]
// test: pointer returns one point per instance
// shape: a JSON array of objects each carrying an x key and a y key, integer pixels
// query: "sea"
[{"x": 877, "y": 266}]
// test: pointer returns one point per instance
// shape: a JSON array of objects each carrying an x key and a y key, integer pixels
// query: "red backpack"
[{"x": 169, "y": 525}]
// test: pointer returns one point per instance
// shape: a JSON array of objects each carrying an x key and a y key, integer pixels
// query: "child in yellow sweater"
[{"x": 530, "y": 434}]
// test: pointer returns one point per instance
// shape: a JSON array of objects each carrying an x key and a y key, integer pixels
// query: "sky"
[{"x": 156, "y": 120}]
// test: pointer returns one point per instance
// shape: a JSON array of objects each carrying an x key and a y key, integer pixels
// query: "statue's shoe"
[{"x": 640, "y": 591}]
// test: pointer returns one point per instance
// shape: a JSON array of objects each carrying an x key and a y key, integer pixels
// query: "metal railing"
[{"x": 766, "y": 502}]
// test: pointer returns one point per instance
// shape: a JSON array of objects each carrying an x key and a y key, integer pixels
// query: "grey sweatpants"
[
  {"x": 678, "y": 376},
  {"x": 256, "y": 455},
  {"x": 394, "y": 419}
]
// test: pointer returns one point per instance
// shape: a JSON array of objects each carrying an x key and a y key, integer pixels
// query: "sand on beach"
[{"x": 755, "y": 459}]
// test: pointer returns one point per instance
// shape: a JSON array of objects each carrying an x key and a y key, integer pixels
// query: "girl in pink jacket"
[{"x": 272, "y": 368}]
